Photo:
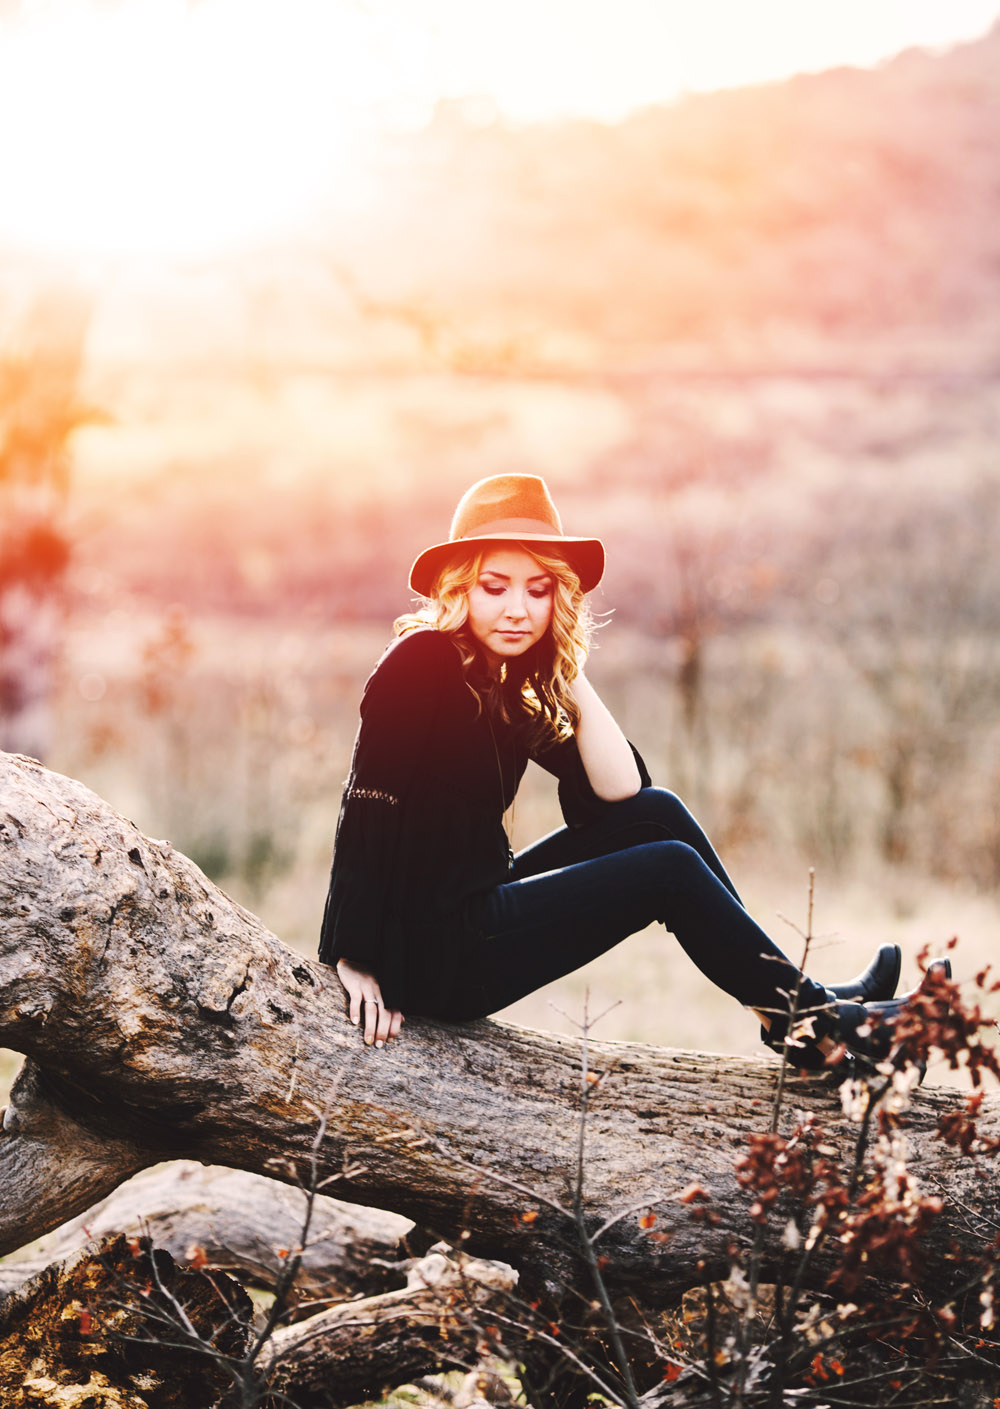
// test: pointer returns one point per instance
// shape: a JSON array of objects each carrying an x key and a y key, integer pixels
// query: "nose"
[{"x": 516, "y": 608}]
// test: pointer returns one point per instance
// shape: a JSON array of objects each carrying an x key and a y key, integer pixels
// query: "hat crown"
[
  {"x": 505, "y": 497},
  {"x": 516, "y": 509}
]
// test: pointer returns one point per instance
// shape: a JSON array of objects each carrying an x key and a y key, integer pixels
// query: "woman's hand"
[{"x": 363, "y": 991}]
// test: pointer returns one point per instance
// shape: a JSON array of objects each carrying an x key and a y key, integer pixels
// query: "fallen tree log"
[
  {"x": 161, "y": 1020},
  {"x": 240, "y": 1223}
]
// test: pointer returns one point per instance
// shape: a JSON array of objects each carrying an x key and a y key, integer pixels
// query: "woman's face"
[{"x": 510, "y": 604}]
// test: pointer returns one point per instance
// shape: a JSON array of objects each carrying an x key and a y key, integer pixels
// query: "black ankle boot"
[
  {"x": 866, "y": 1031},
  {"x": 876, "y": 1039},
  {"x": 841, "y": 1021},
  {"x": 878, "y": 981},
  {"x": 939, "y": 967}
]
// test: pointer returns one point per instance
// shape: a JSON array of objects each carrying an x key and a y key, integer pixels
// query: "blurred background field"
[{"x": 751, "y": 338}]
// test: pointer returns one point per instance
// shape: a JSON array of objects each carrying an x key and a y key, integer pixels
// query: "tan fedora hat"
[{"x": 505, "y": 509}]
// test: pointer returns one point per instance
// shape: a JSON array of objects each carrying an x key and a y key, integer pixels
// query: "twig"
[
  {"x": 579, "y": 1217},
  {"x": 649, "y": 1202}
]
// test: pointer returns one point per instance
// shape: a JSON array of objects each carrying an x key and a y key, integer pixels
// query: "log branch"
[
  {"x": 53, "y": 1165},
  {"x": 358, "y": 1350},
  {"x": 239, "y": 1223}
]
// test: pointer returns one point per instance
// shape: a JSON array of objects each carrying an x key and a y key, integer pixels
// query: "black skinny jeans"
[{"x": 577, "y": 892}]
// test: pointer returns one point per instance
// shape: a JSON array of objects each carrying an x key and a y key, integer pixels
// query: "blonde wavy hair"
[{"x": 533, "y": 690}]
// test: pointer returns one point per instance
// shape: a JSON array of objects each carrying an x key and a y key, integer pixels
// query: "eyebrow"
[{"x": 538, "y": 577}]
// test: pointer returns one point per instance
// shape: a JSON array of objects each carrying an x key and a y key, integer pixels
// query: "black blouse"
[{"x": 420, "y": 833}]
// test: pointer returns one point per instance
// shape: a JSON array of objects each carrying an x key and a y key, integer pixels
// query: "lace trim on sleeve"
[{"x": 374, "y": 795}]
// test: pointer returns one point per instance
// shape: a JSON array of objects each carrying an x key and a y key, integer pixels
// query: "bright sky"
[{"x": 183, "y": 126}]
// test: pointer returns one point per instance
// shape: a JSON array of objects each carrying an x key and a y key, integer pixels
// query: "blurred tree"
[
  {"x": 922, "y": 632},
  {"x": 698, "y": 566},
  {"x": 39, "y": 411}
]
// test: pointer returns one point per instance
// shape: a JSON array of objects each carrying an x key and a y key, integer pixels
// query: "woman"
[{"x": 429, "y": 911}]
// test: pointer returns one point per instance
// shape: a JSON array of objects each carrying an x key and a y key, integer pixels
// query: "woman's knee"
[
  {"x": 664, "y": 809},
  {"x": 650, "y": 815},
  {"x": 667, "y": 862}
]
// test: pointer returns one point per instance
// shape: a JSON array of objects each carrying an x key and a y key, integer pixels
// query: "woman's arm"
[
  {"x": 604, "y": 750},
  {"x": 411, "y": 707}
]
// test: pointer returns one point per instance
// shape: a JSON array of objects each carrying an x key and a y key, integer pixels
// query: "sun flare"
[{"x": 168, "y": 128}]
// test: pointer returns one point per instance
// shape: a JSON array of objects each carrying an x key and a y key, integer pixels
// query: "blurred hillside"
[
  {"x": 752, "y": 339},
  {"x": 826, "y": 218}
]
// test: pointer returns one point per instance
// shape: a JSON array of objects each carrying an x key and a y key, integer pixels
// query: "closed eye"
[{"x": 538, "y": 590}]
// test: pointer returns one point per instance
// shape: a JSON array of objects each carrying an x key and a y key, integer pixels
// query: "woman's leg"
[
  {"x": 543, "y": 926},
  {"x": 653, "y": 814}
]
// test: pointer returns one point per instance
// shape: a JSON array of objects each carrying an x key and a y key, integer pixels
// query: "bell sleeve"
[
  {"x": 577, "y": 799},
  {"x": 409, "y": 705}
]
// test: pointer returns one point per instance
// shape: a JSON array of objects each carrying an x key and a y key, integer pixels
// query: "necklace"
[{"x": 508, "y": 830}]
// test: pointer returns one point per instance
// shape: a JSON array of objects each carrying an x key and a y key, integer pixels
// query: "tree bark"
[
  {"x": 239, "y": 1223},
  {"x": 161, "y": 1020}
]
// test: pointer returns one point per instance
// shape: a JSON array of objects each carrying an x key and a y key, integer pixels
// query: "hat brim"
[{"x": 584, "y": 555}]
